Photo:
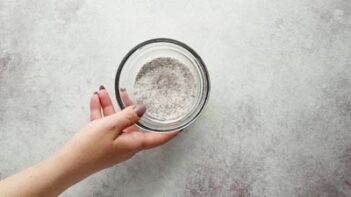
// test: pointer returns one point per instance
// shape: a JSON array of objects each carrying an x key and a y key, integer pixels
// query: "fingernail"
[
  {"x": 101, "y": 87},
  {"x": 122, "y": 89},
  {"x": 96, "y": 93},
  {"x": 140, "y": 109}
]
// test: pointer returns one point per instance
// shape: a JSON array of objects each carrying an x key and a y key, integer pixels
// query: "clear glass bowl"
[{"x": 163, "y": 47}]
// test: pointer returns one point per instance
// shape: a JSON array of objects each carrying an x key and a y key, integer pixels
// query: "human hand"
[{"x": 110, "y": 138}]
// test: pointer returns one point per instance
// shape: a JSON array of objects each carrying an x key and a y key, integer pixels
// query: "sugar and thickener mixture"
[{"x": 166, "y": 87}]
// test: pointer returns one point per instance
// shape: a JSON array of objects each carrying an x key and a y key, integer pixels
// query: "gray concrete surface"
[{"x": 278, "y": 122}]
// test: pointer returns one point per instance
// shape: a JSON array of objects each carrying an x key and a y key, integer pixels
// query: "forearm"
[
  {"x": 48, "y": 178},
  {"x": 104, "y": 142}
]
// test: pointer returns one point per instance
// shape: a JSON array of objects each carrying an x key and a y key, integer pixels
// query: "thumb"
[
  {"x": 148, "y": 140},
  {"x": 125, "y": 118}
]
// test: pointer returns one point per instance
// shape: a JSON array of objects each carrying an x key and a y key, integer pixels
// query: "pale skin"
[{"x": 110, "y": 138}]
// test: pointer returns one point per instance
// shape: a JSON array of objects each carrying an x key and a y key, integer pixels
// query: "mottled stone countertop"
[{"x": 279, "y": 118}]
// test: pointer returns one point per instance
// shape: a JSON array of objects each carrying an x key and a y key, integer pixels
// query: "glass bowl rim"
[{"x": 172, "y": 41}]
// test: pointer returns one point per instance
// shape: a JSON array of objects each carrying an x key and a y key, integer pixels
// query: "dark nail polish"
[
  {"x": 96, "y": 93},
  {"x": 122, "y": 89},
  {"x": 140, "y": 109},
  {"x": 101, "y": 87}
]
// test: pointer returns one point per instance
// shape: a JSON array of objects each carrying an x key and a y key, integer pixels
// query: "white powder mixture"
[{"x": 166, "y": 87}]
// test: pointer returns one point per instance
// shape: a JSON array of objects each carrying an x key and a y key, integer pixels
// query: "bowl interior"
[{"x": 145, "y": 52}]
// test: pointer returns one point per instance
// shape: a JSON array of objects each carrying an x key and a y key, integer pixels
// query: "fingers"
[
  {"x": 125, "y": 118},
  {"x": 106, "y": 102},
  {"x": 95, "y": 107},
  {"x": 125, "y": 98},
  {"x": 127, "y": 102},
  {"x": 144, "y": 141}
]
